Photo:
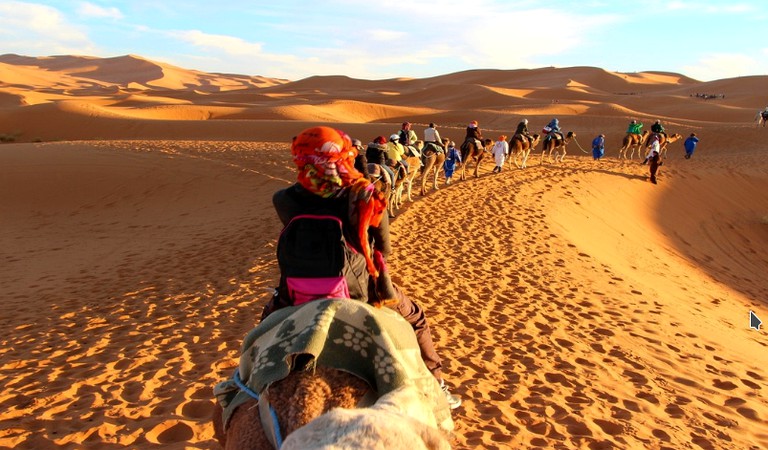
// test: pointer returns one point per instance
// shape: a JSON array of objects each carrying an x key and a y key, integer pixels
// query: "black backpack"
[{"x": 316, "y": 261}]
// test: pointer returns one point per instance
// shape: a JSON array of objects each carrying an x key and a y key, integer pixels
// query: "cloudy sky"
[{"x": 294, "y": 39}]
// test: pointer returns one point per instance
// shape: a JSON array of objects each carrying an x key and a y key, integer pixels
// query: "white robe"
[{"x": 500, "y": 151}]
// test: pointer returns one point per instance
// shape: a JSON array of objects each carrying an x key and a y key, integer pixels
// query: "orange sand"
[{"x": 575, "y": 305}]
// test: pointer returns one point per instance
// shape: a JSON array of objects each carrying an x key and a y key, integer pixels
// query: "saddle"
[
  {"x": 521, "y": 138},
  {"x": 333, "y": 333},
  {"x": 430, "y": 148},
  {"x": 412, "y": 151}
]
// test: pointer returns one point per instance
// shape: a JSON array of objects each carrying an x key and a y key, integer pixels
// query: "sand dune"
[{"x": 575, "y": 305}]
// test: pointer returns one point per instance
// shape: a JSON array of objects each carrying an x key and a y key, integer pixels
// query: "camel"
[
  {"x": 469, "y": 151},
  {"x": 762, "y": 117},
  {"x": 396, "y": 422},
  {"x": 434, "y": 157},
  {"x": 296, "y": 371},
  {"x": 555, "y": 145},
  {"x": 670, "y": 139},
  {"x": 663, "y": 146},
  {"x": 632, "y": 142},
  {"x": 521, "y": 148},
  {"x": 404, "y": 183}
]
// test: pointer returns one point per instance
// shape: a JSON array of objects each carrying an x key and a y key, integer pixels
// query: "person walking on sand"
[
  {"x": 690, "y": 145},
  {"x": 452, "y": 157},
  {"x": 654, "y": 145},
  {"x": 598, "y": 147},
  {"x": 655, "y": 163},
  {"x": 500, "y": 151}
]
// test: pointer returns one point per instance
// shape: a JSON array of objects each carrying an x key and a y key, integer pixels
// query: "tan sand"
[{"x": 576, "y": 305}]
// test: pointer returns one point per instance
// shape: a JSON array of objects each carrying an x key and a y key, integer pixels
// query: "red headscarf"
[{"x": 325, "y": 158}]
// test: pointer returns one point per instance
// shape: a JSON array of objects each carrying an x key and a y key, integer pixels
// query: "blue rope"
[{"x": 252, "y": 393}]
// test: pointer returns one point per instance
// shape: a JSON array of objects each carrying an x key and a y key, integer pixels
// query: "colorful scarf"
[{"x": 325, "y": 158}]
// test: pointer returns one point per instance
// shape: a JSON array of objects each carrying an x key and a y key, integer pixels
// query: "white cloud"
[
  {"x": 703, "y": 7},
  {"x": 35, "y": 29},
  {"x": 722, "y": 65},
  {"x": 93, "y": 11},
  {"x": 227, "y": 44}
]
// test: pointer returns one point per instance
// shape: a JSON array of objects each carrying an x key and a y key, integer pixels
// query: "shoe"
[{"x": 454, "y": 401}]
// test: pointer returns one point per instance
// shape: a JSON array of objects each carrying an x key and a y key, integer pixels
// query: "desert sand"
[{"x": 575, "y": 304}]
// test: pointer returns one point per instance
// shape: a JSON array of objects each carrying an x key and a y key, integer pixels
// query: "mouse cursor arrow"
[{"x": 754, "y": 321}]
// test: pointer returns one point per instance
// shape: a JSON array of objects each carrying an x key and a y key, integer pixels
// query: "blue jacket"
[
  {"x": 598, "y": 142},
  {"x": 690, "y": 143}
]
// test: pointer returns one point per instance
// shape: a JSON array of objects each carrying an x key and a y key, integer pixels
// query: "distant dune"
[
  {"x": 586, "y": 99},
  {"x": 575, "y": 304}
]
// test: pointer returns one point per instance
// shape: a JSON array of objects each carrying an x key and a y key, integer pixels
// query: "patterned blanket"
[{"x": 377, "y": 345}]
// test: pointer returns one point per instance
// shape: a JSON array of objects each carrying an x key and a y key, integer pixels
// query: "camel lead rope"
[{"x": 579, "y": 145}]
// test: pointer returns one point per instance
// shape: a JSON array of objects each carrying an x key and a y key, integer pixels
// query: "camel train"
[{"x": 286, "y": 394}]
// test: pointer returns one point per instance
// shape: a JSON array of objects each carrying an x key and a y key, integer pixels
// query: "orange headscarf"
[{"x": 325, "y": 158}]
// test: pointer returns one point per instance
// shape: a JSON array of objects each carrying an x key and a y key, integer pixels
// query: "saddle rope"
[{"x": 271, "y": 428}]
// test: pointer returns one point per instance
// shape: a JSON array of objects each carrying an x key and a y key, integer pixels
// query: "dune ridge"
[{"x": 575, "y": 305}]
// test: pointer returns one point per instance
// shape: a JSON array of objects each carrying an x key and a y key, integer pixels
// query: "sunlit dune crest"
[{"x": 575, "y": 304}]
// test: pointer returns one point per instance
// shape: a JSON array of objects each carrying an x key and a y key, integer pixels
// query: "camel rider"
[
  {"x": 658, "y": 128},
  {"x": 635, "y": 127},
  {"x": 408, "y": 138},
  {"x": 377, "y": 153},
  {"x": 432, "y": 136},
  {"x": 395, "y": 152},
  {"x": 474, "y": 133},
  {"x": 554, "y": 130},
  {"x": 522, "y": 130}
]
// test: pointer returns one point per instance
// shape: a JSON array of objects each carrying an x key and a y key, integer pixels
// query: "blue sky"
[{"x": 294, "y": 39}]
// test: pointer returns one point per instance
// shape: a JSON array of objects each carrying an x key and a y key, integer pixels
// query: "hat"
[
  {"x": 380, "y": 140},
  {"x": 357, "y": 143},
  {"x": 473, "y": 124},
  {"x": 525, "y": 121},
  {"x": 394, "y": 137},
  {"x": 325, "y": 159}
]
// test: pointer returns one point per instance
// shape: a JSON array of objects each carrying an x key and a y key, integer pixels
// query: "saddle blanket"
[{"x": 376, "y": 344}]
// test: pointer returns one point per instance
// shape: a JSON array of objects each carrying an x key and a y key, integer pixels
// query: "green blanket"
[{"x": 377, "y": 345}]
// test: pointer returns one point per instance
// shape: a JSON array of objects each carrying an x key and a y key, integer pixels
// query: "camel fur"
[
  {"x": 329, "y": 353},
  {"x": 520, "y": 148},
  {"x": 404, "y": 185},
  {"x": 469, "y": 151},
  {"x": 432, "y": 161},
  {"x": 555, "y": 146},
  {"x": 297, "y": 399},
  {"x": 399, "y": 420},
  {"x": 632, "y": 142}
]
